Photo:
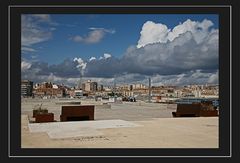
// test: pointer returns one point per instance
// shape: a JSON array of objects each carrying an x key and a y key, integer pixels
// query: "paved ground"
[
  {"x": 57, "y": 130},
  {"x": 128, "y": 125},
  {"x": 130, "y": 111},
  {"x": 157, "y": 133}
]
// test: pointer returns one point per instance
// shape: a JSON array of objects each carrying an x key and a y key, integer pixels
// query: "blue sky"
[
  {"x": 171, "y": 48},
  {"x": 127, "y": 33}
]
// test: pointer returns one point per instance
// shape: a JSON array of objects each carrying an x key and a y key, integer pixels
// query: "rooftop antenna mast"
[
  {"x": 114, "y": 89},
  {"x": 149, "y": 90},
  {"x": 114, "y": 86},
  {"x": 80, "y": 81}
]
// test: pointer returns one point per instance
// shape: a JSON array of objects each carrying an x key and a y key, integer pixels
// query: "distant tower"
[
  {"x": 114, "y": 87},
  {"x": 80, "y": 82},
  {"x": 149, "y": 90}
]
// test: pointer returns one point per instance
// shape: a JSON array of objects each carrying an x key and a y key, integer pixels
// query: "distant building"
[
  {"x": 52, "y": 92},
  {"x": 26, "y": 88},
  {"x": 100, "y": 88},
  {"x": 46, "y": 85},
  {"x": 90, "y": 86},
  {"x": 78, "y": 93},
  {"x": 50, "y": 89},
  {"x": 124, "y": 87},
  {"x": 54, "y": 86},
  {"x": 127, "y": 93},
  {"x": 130, "y": 87},
  {"x": 138, "y": 86},
  {"x": 197, "y": 93}
]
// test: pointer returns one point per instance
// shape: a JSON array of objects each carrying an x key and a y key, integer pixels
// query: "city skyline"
[
  {"x": 93, "y": 89},
  {"x": 112, "y": 85},
  {"x": 172, "y": 49}
]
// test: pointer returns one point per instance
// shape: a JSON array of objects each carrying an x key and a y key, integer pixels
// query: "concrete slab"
[
  {"x": 75, "y": 129},
  {"x": 198, "y": 132}
]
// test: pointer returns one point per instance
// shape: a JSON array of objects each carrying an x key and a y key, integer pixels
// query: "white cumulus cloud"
[
  {"x": 159, "y": 33},
  {"x": 152, "y": 33}
]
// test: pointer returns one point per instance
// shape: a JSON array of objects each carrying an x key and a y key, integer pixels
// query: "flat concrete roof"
[
  {"x": 127, "y": 125},
  {"x": 129, "y": 111},
  {"x": 57, "y": 130},
  {"x": 199, "y": 132}
]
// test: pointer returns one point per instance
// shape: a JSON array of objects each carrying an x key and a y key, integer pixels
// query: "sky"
[{"x": 172, "y": 49}]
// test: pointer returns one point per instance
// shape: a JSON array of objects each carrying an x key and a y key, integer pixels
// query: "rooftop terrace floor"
[{"x": 127, "y": 125}]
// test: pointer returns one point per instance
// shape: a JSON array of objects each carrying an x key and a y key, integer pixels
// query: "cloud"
[
  {"x": 34, "y": 56},
  {"x": 112, "y": 31},
  {"x": 42, "y": 17},
  {"x": 106, "y": 55},
  {"x": 27, "y": 49},
  {"x": 192, "y": 77},
  {"x": 214, "y": 77},
  {"x": 181, "y": 55},
  {"x": 68, "y": 68},
  {"x": 81, "y": 65},
  {"x": 152, "y": 33},
  {"x": 186, "y": 54},
  {"x": 198, "y": 29},
  {"x": 77, "y": 38},
  {"x": 92, "y": 58},
  {"x": 25, "y": 65},
  {"x": 33, "y": 31},
  {"x": 104, "y": 67},
  {"x": 94, "y": 36},
  {"x": 35, "y": 28},
  {"x": 159, "y": 33}
]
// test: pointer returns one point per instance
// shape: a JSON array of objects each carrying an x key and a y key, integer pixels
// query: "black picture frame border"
[{"x": 24, "y": 151}]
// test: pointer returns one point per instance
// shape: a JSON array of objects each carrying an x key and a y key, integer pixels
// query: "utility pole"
[
  {"x": 114, "y": 90},
  {"x": 149, "y": 90}
]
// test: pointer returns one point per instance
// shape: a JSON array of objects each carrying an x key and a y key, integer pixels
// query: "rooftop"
[{"x": 127, "y": 125}]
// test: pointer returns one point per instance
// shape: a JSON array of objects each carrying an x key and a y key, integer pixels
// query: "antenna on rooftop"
[
  {"x": 114, "y": 85},
  {"x": 80, "y": 81},
  {"x": 149, "y": 90},
  {"x": 114, "y": 89}
]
